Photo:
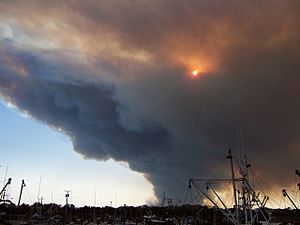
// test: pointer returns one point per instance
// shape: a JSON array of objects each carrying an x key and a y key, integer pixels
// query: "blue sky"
[{"x": 30, "y": 149}]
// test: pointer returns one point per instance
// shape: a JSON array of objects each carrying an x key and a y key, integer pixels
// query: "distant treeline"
[{"x": 196, "y": 214}]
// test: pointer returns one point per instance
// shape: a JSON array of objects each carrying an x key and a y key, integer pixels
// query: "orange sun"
[{"x": 195, "y": 73}]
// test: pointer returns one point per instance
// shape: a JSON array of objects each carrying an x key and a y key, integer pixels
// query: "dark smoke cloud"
[{"x": 116, "y": 82}]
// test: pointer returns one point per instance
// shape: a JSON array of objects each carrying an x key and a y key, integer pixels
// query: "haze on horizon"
[{"x": 118, "y": 78}]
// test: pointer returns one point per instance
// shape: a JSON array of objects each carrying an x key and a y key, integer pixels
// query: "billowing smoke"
[{"x": 115, "y": 77}]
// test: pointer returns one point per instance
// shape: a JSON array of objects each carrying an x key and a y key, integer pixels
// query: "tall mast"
[
  {"x": 246, "y": 191},
  {"x": 229, "y": 156},
  {"x": 21, "y": 191}
]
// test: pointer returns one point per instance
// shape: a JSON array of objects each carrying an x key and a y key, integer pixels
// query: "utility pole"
[
  {"x": 67, "y": 196},
  {"x": 21, "y": 191},
  {"x": 42, "y": 199}
]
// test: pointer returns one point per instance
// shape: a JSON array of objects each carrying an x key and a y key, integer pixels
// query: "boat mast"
[
  {"x": 246, "y": 191},
  {"x": 227, "y": 214},
  {"x": 21, "y": 191},
  {"x": 229, "y": 156}
]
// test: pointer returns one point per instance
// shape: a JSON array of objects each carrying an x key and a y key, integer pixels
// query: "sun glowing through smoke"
[{"x": 195, "y": 73}]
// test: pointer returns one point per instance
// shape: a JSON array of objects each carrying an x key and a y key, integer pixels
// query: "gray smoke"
[{"x": 150, "y": 113}]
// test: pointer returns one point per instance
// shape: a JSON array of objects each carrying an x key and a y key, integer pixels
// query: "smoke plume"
[{"x": 115, "y": 77}]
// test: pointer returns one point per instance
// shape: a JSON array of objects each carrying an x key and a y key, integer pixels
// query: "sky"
[
  {"x": 111, "y": 83},
  {"x": 32, "y": 151}
]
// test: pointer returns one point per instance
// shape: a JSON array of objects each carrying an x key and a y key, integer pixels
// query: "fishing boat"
[{"x": 248, "y": 208}]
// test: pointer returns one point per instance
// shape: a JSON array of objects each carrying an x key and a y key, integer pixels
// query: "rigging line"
[
  {"x": 280, "y": 201},
  {"x": 291, "y": 191},
  {"x": 231, "y": 200},
  {"x": 268, "y": 186},
  {"x": 217, "y": 171},
  {"x": 200, "y": 193},
  {"x": 243, "y": 142},
  {"x": 286, "y": 202},
  {"x": 259, "y": 181},
  {"x": 274, "y": 202},
  {"x": 200, "y": 197},
  {"x": 194, "y": 196},
  {"x": 186, "y": 193},
  {"x": 238, "y": 138},
  {"x": 296, "y": 195},
  {"x": 39, "y": 188},
  {"x": 4, "y": 182},
  {"x": 191, "y": 195},
  {"x": 5, "y": 176},
  {"x": 28, "y": 195},
  {"x": 259, "y": 185},
  {"x": 239, "y": 167},
  {"x": 241, "y": 137},
  {"x": 295, "y": 184}
]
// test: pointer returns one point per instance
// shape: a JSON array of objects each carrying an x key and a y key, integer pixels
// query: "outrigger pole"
[{"x": 5, "y": 186}]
